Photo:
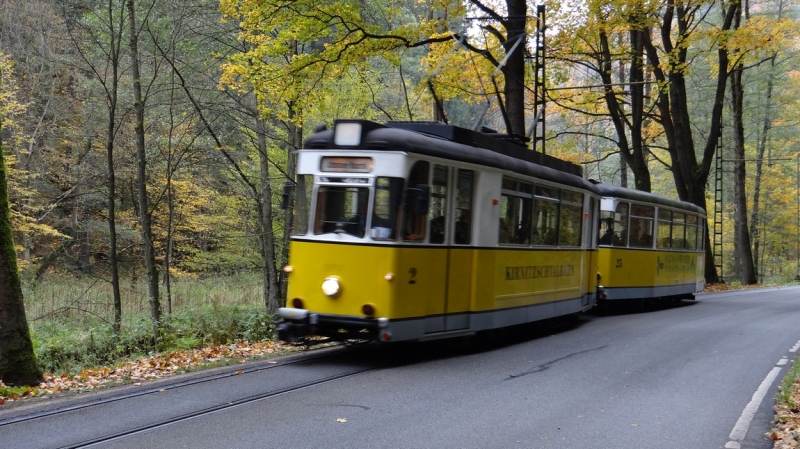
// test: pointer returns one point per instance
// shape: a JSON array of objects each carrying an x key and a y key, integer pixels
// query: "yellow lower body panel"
[
  {"x": 632, "y": 273},
  {"x": 439, "y": 289}
]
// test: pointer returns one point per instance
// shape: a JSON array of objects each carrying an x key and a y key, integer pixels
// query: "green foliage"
[
  {"x": 19, "y": 391},
  {"x": 64, "y": 348},
  {"x": 787, "y": 386},
  {"x": 71, "y": 319},
  {"x": 215, "y": 325},
  {"x": 68, "y": 349}
]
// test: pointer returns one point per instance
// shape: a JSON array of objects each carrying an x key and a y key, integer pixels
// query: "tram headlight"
[{"x": 331, "y": 287}]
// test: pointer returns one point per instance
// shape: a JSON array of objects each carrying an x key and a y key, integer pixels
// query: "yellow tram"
[
  {"x": 414, "y": 231},
  {"x": 651, "y": 247}
]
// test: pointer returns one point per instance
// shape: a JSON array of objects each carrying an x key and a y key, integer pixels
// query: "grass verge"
[{"x": 786, "y": 433}]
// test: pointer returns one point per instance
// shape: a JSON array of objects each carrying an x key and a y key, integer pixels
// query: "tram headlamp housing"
[
  {"x": 331, "y": 287},
  {"x": 347, "y": 134}
]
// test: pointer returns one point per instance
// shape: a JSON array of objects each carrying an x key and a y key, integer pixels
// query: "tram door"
[{"x": 449, "y": 218}]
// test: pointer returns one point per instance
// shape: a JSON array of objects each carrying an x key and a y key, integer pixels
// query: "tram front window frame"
[
  {"x": 350, "y": 206},
  {"x": 342, "y": 209}
]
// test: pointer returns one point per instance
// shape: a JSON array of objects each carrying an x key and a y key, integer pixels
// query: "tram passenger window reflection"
[
  {"x": 664, "y": 229},
  {"x": 545, "y": 220},
  {"x": 571, "y": 219},
  {"x": 386, "y": 208},
  {"x": 416, "y": 199},
  {"x": 463, "y": 232},
  {"x": 437, "y": 211},
  {"x": 515, "y": 212},
  {"x": 691, "y": 232},
  {"x": 641, "y": 233},
  {"x": 606, "y": 228},
  {"x": 642, "y": 226}
]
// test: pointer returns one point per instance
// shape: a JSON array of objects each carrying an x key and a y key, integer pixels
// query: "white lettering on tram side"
[{"x": 538, "y": 271}]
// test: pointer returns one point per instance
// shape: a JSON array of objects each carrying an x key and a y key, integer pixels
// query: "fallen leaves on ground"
[
  {"x": 142, "y": 370},
  {"x": 786, "y": 434},
  {"x": 713, "y": 288}
]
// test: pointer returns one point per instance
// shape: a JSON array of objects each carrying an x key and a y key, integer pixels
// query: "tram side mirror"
[
  {"x": 287, "y": 193},
  {"x": 419, "y": 199}
]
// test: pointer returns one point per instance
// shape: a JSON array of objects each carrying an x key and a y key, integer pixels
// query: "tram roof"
[
  {"x": 608, "y": 190},
  {"x": 451, "y": 142}
]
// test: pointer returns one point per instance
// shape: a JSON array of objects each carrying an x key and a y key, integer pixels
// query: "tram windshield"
[
  {"x": 346, "y": 209},
  {"x": 341, "y": 210}
]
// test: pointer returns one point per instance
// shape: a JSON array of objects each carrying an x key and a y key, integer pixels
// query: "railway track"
[{"x": 77, "y": 423}]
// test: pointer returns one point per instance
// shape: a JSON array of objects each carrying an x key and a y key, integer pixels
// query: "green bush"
[
  {"x": 71, "y": 318},
  {"x": 64, "y": 349}
]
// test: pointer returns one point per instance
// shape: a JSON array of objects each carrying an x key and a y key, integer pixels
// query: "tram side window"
[
  {"x": 678, "y": 230},
  {"x": 614, "y": 226},
  {"x": 701, "y": 234},
  {"x": 386, "y": 209},
  {"x": 438, "y": 206},
  {"x": 569, "y": 233},
  {"x": 463, "y": 234},
  {"x": 691, "y": 232},
  {"x": 341, "y": 210},
  {"x": 641, "y": 232},
  {"x": 417, "y": 197},
  {"x": 606, "y": 228},
  {"x": 515, "y": 212},
  {"x": 545, "y": 223},
  {"x": 302, "y": 202},
  {"x": 664, "y": 225}
]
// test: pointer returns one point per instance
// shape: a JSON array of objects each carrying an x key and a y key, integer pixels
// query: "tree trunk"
[
  {"x": 514, "y": 72},
  {"x": 145, "y": 216},
  {"x": 745, "y": 269},
  {"x": 690, "y": 175},
  {"x": 295, "y": 142},
  {"x": 267, "y": 240},
  {"x": 18, "y": 365},
  {"x": 755, "y": 216},
  {"x": 631, "y": 152}
]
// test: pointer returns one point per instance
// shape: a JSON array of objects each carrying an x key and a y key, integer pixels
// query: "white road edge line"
[
  {"x": 796, "y": 347},
  {"x": 740, "y": 429}
]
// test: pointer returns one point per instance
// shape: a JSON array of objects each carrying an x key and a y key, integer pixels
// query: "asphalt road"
[{"x": 688, "y": 376}]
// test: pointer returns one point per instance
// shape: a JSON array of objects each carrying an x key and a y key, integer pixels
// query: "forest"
[{"x": 146, "y": 143}]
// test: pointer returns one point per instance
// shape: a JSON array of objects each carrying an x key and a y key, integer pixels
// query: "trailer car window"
[
  {"x": 641, "y": 235},
  {"x": 664, "y": 227},
  {"x": 613, "y": 229},
  {"x": 678, "y": 230},
  {"x": 691, "y": 232}
]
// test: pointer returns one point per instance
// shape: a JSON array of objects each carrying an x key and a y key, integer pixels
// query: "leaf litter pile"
[{"x": 145, "y": 369}]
